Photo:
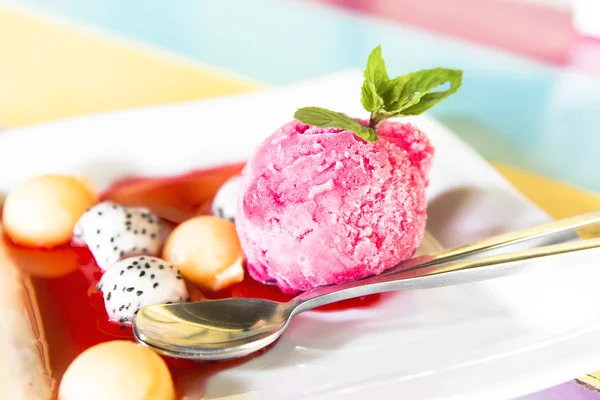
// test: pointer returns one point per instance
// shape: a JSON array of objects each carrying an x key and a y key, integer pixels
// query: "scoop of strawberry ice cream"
[{"x": 320, "y": 206}]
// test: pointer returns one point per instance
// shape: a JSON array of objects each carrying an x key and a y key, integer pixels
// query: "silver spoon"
[{"x": 231, "y": 328}]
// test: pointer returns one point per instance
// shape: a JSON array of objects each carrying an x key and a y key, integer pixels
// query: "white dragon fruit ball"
[
  {"x": 225, "y": 202},
  {"x": 113, "y": 232},
  {"x": 135, "y": 282}
]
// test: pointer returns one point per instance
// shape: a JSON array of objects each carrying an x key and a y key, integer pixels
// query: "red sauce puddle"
[{"x": 72, "y": 309}]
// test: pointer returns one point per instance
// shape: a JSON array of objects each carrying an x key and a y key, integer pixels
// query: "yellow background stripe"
[{"x": 48, "y": 71}]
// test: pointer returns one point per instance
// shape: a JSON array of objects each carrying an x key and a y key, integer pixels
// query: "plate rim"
[{"x": 16, "y": 134}]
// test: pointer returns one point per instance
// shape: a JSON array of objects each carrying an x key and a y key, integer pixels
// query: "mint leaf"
[
  {"x": 425, "y": 82},
  {"x": 426, "y": 102},
  {"x": 375, "y": 72},
  {"x": 413, "y": 99},
  {"x": 324, "y": 118},
  {"x": 390, "y": 95},
  {"x": 369, "y": 98}
]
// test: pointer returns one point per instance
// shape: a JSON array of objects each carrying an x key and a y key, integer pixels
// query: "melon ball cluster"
[
  {"x": 143, "y": 262},
  {"x": 52, "y": 210}
]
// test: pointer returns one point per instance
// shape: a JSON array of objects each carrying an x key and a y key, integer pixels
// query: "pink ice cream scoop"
[{"x": 321, "y": 206}]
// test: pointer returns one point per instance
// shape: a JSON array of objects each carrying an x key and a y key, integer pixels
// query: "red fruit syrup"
[{"x": 65, "y": 278}]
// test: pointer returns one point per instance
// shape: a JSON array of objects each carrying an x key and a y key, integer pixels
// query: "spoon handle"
[
  {"x": 451, "y": 273},
  {"x": 495, "y": 242}
]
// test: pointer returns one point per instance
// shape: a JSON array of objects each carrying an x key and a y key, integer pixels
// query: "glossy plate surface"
[{"x": 499, "y": 339}]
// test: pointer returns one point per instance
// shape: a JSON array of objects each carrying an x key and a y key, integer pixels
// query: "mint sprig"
[{"x": 384, "y": 98}]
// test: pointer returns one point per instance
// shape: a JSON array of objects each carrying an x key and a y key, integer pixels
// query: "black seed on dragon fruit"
[
  {"x": 126, "y": 290},
  {"x": 225, "y": 202},
  {"x": 112, "y": 232}
]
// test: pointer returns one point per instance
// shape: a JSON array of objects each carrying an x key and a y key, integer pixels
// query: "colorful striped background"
[
  {"x": 530, "y": 100},
  {"x": 513, "y": 109}
]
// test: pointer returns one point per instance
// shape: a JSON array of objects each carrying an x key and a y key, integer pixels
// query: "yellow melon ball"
[
  {"x": 207, "y": 251},
  {"x": 117, "y": 370},
  {"x": 42, "y": 211}
]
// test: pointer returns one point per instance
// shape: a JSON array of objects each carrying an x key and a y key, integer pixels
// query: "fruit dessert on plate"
[{"x": 325, "y": 199}]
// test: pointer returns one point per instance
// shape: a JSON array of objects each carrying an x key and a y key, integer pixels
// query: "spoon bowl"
[{"x": 201, "y": 330}]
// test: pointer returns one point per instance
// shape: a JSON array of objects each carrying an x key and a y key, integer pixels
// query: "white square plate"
[{"x": 498, "y": 339}]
